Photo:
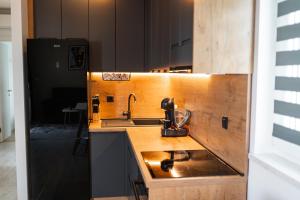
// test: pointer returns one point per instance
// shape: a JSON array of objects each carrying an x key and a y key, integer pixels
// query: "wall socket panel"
[
  {"x": 225, "y": 121},
  {"x": 110, "y": 99}
]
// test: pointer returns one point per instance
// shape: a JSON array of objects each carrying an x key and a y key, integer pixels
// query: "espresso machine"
[{"x": 176, "y": 120}]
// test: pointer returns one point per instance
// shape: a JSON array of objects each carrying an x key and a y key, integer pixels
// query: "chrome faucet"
[{"x": 128, "y": 112}]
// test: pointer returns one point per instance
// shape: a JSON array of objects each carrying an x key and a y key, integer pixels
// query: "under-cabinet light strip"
[{"x": 164, "y": 75}]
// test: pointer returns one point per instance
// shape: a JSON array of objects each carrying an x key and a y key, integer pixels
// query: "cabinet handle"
[
  {"x": 181, "y": 43},
  {"x": 134, "y": 186},
  {"x": 135, "y": 190}
]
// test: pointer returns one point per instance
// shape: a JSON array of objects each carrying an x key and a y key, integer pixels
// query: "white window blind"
[{"x": 287, "y": 73}]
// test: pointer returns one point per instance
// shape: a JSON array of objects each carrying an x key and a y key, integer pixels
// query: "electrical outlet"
[
  {"x": 110, "y": 99},
  {"x": 225, "y": 122}
]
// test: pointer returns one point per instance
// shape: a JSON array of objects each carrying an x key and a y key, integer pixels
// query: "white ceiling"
[{"x": 4, "y": 3}]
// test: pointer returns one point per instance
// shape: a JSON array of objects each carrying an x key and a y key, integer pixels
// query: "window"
[{"x": 286, "y": 121}]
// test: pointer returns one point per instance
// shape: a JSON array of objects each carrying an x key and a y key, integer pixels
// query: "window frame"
[
  {"x": 262, "y": 140},
  {"x": 281, "y": 147}
]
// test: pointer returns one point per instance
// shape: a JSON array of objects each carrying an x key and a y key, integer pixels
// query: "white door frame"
[
  {"x": 6, "y": 107},
  {"x": 19, "y": 31},
  {"x": 1, "y": 122}
]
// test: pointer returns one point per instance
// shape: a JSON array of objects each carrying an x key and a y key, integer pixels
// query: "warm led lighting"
[
  {"x": 155, "y": 163},
  {"x": 185, "y": 75},
  {"x": 172, "y": 75},
  {"x": 96, "y": 73},
  {"x": 174, "y": 173}
]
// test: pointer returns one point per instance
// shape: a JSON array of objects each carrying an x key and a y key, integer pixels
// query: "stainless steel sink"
[
  {"x": 147, "y": 122},
  {"x": 116, "y": 123},
  {"x": 130, "y": 123}
]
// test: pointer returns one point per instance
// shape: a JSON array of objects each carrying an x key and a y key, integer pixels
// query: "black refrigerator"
[{"x": 57, "y": 139}]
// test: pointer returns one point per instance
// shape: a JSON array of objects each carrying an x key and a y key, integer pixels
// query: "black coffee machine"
[{"x": 175, "y": 122}]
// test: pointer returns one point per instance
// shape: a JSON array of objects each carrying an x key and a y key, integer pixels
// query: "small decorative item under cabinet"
[{"x": 116, "y": 76}]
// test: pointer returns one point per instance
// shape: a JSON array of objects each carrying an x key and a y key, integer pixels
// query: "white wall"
[
  {"x": 265, "y": 184},
  {"x": 19, "y": 35},
  {"x": 263, "y": 77},
  {"x": 266, "y": 181},
  {"x": 1, "y": 118}
]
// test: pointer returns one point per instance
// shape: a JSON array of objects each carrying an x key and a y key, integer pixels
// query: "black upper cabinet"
[
  {"x": 169, "y": 37},
  {"x": 165, "y": 11},
  {"x": 181, "y": 32},
  {"x": 75, "y": 19},
  {"x": 47, "y": 18},
  {"x": 124, "y": 35},
  {"x": 157, "y": 33},
  {"x": 116, "y": 35},
  {"x": 153, "y": 33},
  {"x": 61, "y": 19},
  {"x": 102, "y": 35},
  {"x": 130, "y": 35}
]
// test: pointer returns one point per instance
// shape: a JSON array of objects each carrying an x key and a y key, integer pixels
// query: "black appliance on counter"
[
  {"x": 180, "y": 164},
  {"x": 175, "y": 122},
  {"x": 57, "y": 120}
]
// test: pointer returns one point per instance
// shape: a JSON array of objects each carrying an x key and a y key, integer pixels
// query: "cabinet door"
[
  {"x": 187, "y": 16},
  {"x": 165, "y": 32},
  {"x": 130, "y": 35},
  {"x": 223, "y": 36},
  {"x": 102, "y": 35},
  {"x": 133, "y": 172},
  {"x": 108, "y": 164},
  {"x": 158, "y": 33},
  {"x": 42, "y": 81},
  {"x": 182, "y": 32},
  {"x": 175, "y": 22},
  {"x": 152, "y": 27},
  {"x": 75, "y": 19},
  {"x": 186, "y": 43},
  {"x": 147, "y": 35},
  {"x": 47, "y": 18}
]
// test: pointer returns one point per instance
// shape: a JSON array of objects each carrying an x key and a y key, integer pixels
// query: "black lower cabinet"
[
  {"x": 114, "y": 169},
  {"x": 108, "y": 164},
  {"x": 136, "y": 189},
  {"x": 132, "y": 172}
]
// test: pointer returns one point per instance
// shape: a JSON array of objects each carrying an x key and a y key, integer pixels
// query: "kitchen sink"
[
  {"x": 146, "y": 122},
  {"x": 116, "y": 123},
  {"x": 130, "y": 123}
]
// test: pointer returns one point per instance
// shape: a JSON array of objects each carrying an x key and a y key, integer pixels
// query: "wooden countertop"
[{"x": 149, "y": 139}]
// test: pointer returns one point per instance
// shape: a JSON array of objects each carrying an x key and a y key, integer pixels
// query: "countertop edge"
[{"x": 167, "y": 182}]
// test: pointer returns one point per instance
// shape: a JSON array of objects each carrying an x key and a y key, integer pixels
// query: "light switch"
[
  {"x": 225, "y": 122},
  {"x": 110, "y": 99}
]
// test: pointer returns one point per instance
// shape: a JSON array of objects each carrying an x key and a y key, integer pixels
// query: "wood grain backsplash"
[
  {"x": 149, "y": 91},
  {"x": 208, "y": 97},
  {"x": 211, "y": 99}
]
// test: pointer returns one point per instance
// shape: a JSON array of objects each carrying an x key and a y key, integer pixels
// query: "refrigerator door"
[{"x": 58, "y": 140}]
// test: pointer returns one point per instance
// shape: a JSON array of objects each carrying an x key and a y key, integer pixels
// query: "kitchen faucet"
[{"x": 128, "y": 112}]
